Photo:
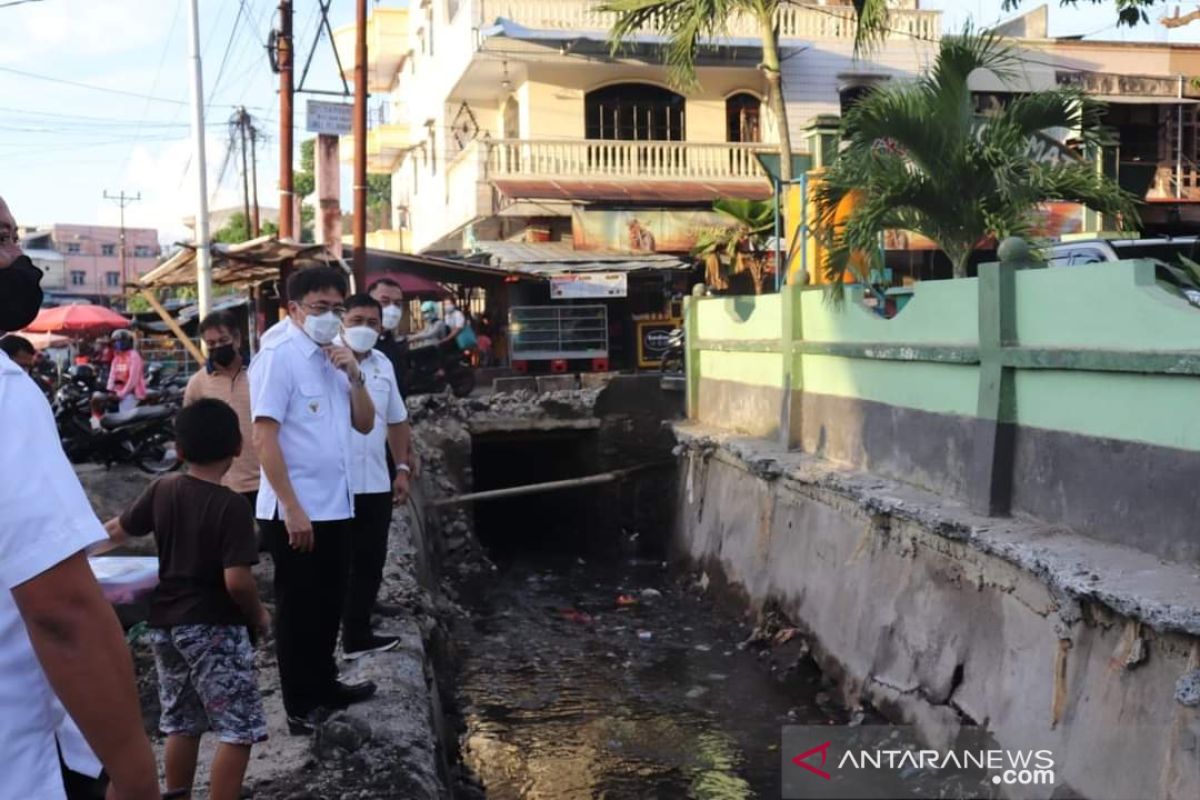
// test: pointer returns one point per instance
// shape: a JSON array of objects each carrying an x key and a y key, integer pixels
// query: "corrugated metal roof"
[
  {"x": 235, "y": 264},
  {"x": 553, "y": 258}
]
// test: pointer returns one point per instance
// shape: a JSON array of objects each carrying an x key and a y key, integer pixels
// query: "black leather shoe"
[
  {"x": 307, "y": 724},
  {"x": 347, "y": 694}
]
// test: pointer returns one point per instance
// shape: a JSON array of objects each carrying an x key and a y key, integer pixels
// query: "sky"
[{"x": 63, "y": 145}]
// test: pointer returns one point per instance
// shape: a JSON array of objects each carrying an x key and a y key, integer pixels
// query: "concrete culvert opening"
[{"x": 562, "y": 521}]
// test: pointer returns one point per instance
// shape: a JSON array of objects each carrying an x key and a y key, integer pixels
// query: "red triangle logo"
[{"x": 802, "y": 760}]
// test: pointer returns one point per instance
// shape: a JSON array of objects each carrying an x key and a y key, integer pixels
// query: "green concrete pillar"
[
  {"x": 991, "y": 472},
  {"x": 789, "y": 416},
  {"x": 1104, "y": 160},
  {"x": 823, "y": 135},
  {"x": 691, "y": 332}
]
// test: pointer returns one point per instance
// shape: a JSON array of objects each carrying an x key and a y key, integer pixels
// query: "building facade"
[
  {"x": 508, "y": 118},
  {"x": 89, "y": 263}
]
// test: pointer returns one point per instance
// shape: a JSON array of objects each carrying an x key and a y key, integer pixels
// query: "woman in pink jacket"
[{"x": 126, "y": 374}]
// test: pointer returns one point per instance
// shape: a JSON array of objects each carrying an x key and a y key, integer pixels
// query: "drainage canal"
[{"x": 590, "y": 667}]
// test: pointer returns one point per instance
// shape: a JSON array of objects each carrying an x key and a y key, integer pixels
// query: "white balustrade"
[
  {"x": 794, "y": 21},
  {"x": 646, "y": 160}
]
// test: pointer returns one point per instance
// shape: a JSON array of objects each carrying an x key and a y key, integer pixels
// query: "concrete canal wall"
[{"x": 982, "y": 510}]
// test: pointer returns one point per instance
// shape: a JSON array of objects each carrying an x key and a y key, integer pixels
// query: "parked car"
[{"x": 1172, "y": 271}]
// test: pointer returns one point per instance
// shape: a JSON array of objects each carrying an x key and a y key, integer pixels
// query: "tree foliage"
[
  {"x": 688, "y": 25},
  {"x": 918, "y": 158},
  {"x": 740, "y": 246},
  {"x": 874, "y": 23},
  {"x": 237, "y": 229}
]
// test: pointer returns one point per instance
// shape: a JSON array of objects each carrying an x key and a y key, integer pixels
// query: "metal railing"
[
  {"x": 623, "y": 159},
  {"x": 793, "y": 21},
  {"x": 1171, "y": 182}
]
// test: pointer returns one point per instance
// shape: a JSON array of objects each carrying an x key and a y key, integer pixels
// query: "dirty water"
[{"x": 617, "y": 679}]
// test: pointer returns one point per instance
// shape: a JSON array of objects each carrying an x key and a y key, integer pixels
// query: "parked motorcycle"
[
  {"x": 143, "y": 437},
  {"x": 674, "y": 358},
  {"x": 431, "y": 369}
]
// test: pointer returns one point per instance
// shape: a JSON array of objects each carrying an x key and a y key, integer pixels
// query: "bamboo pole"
[
  {"x": 551, "y": 486},
  {"x": 173, "y": 325}
]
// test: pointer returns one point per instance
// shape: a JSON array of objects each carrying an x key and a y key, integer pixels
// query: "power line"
[
  {"x": 162, "y": 60},
  {"x": 93, "y": 88}
]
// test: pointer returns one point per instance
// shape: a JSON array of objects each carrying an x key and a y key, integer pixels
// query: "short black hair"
[
  {"x": 207, "y": 431},
  {"x": 220, "y": 319},
  {"x": 386, "y": 282},
  {"x": 315, "y": 279},
  {"x": 14, "y": 345},
  {"x": 361, "y": 300}
]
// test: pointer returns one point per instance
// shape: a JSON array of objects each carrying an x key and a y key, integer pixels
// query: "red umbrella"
[
  {"x": 77, "y": 319},
  {"x": 411, "y": 285}
]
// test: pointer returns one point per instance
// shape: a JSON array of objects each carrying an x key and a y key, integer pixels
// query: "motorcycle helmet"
[
  {"x": 82, "y": 373},
  {"x": 429, "y": 309}
]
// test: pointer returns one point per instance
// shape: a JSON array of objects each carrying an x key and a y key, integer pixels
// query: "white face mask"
[
  {"x": 391, "y": 317},
  {"x": 322, "y": 328},
  {"x": 360, "y": 339}
]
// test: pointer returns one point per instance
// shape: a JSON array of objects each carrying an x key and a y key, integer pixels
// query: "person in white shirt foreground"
[
  {"x": 374, "y": 493},
  {"x": 305, "y": 395},
  {"x": 58, "y": 635}
]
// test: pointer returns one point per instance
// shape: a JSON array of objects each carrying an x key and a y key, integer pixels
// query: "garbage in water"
[
  {"x": 645, "y": 636},
  {"x": 650, "y": 594},
  {"x": 625, "y": 600},
  {"x": 574, "y": 615}
]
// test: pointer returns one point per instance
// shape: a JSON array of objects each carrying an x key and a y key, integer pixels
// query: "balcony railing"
[
  {"x": 1171, "y": 182},
  {"x": 793, "y": 21},
  {"x": 523, "y": 158}
]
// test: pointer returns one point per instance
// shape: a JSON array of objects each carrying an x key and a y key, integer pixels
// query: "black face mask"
[
  {"x": 20, "y": 294},
  {"x": 223, "y": 355}
]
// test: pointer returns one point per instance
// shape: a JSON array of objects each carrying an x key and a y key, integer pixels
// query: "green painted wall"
[
  {"x": 1155, "y": 409},
  {"x": 1111, "y": 308},
  {"x": 754, "y": 369},
  {"x": 940, "y": 388},
  {"x": 940, "y": 312},
  {"x": 744, "y": 317}
]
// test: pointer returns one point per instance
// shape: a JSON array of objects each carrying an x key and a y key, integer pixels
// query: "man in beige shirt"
[{"x": 225, "y": 378}]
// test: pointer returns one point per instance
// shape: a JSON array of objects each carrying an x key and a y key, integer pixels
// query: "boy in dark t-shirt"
[{"x": 205, "y": 599}]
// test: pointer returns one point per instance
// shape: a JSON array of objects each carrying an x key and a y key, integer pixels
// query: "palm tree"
[
  {"x": 740, "y": 246},
  {"x": 687, "y": 24},
  {"x": 873, "y": 16},
  {"x": 917, "y": 157}
]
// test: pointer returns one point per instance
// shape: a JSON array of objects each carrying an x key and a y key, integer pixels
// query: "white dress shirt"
[
  {"x": 45, "y": 518},
  {"x": 368, "y": 452},
  {"x": 293, "y": 382}
]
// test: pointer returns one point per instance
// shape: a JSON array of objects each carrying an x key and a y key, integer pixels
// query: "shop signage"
[
  {"x": 331, "y": 119},
  {"x": 588, "y": 285}
]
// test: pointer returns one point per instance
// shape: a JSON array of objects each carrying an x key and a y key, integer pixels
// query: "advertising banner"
[
  {"x": 588, "y": 285},
  {"x": 642, "y": 230}
]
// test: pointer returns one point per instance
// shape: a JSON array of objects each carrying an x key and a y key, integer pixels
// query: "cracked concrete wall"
[{"x": 938, "y": 633}]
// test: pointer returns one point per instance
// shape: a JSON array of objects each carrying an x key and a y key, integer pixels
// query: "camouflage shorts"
[{"x": 207, "y": 682}]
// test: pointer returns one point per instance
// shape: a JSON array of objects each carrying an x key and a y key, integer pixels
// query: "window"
[
  {"x": 634, "y": 112},
  {"x": 78, "y": 277},
  {"x": 143, "y": 251},
  {"x": 742, "y": 118},
  {"x": 74, "y": 247},
  {"x": 108, "y": 249},
  {"x": 112, "y": 279}
]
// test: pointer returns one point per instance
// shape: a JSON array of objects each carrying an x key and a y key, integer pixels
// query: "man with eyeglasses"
[{"x": 307, "y": 395}]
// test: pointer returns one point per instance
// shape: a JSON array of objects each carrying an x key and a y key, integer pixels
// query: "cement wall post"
[
  {"x": 789, "y": 416},
  {"x": 691, "y": 335},
  {"x": 991, "y": 478}
]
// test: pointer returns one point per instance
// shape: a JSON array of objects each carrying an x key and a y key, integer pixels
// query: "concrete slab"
[
  {"x": 557, "y": 383},
  {"x": 521, "y": 384},
  {"x": 595, "y": 380}
]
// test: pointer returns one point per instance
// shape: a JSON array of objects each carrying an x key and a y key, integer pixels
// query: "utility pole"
[
  {"x": 122, "y": 200},
  {"x": 360, "y": 147},
  {"x": 203, "y": 252},
  {"x": 285, "y": 61},
  {"x": 254, "y": 180},
  {"x": 243, "y": 119}
]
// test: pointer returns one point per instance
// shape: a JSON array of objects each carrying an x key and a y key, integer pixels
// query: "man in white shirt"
[
  {"x": 58, "y": 635},
  {"x": 374, "y": 491},
  {"x": 305, "y": 395}
]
